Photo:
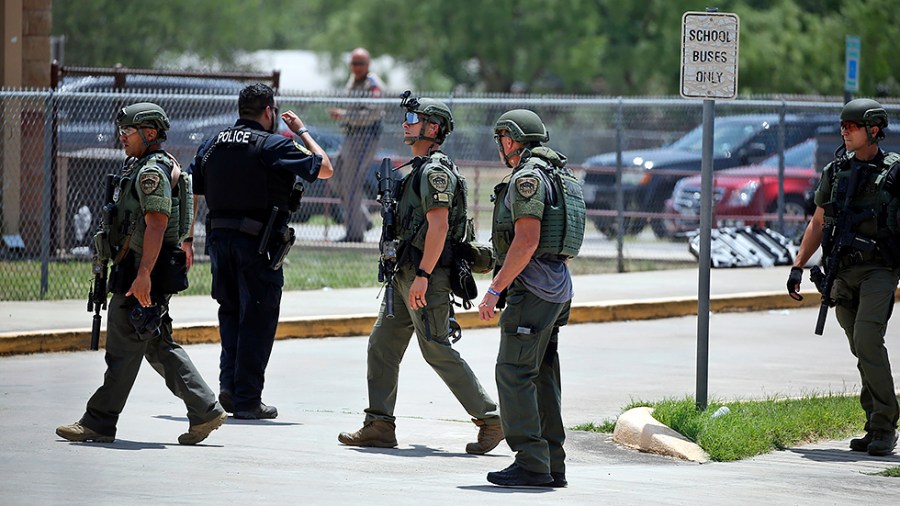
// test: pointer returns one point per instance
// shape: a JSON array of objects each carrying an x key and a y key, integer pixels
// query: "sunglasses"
[
  {"x": 127, "y": 131},
  {"x": 359, "y": 63},
  {"x": 412, "y": 118},
  {"x": 850, "y": 125},
  {"x": 497, "y": 138}
]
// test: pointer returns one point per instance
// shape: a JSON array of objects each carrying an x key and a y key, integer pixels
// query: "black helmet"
[
  {"x": 144, "y": 114},
  {"x": 866, "y": 112},
  {"x": 523, "y": 126}
]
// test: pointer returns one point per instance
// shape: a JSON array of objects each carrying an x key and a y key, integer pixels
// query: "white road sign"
[{"x": 709, "y": 55}]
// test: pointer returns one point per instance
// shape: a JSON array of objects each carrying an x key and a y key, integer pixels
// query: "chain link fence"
[{"x": 632, "y": 154}]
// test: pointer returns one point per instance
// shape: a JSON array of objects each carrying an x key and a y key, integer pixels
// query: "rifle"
[
  {"x": 99, "y": 289},
  {"x": 839, "y": 240},
  {"x": 387, "y": 263}
]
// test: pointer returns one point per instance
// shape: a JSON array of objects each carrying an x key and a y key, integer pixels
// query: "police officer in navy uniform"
[
  {"x": 144, "y": 223},
  {"x": 537, "y": 226},
  {"x": 247, "y": 173},
  {"x": 866, "y": 278}
]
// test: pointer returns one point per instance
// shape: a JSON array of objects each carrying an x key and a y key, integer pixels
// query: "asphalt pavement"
[{"x": 319, "y": 387}]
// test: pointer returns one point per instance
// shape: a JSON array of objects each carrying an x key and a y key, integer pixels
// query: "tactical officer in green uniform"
[
  {"x": 428, "y": 222},
  {"x": 867, "y": 275},
  {"x": 538, "y": 225},
  {"x": 147, "y": 221}
]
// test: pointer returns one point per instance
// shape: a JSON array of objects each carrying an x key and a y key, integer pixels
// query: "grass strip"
[{"x": 756, "y": 427}]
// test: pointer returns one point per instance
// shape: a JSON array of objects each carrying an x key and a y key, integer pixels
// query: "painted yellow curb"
[{"x": 14, "y": 343}]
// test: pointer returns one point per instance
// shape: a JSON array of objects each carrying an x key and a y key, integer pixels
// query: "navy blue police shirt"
[{"x": 243, "y": 171}]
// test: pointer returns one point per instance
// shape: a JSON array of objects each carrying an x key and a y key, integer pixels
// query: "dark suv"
[{"x": 648, "y": 176}]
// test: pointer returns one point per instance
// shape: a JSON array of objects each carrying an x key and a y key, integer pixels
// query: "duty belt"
[
  {"x": 856, "y": 257},
  {"x": 245, "y": 225}
]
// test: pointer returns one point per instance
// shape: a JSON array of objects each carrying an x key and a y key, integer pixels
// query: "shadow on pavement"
[
  {"x": 124, "y": 444},
  {"x": 832, "y": 455},
  {"x": 418, "y": 451},
  {"x": 232, "y": 421},
  {"x": 507, "y": 490}
]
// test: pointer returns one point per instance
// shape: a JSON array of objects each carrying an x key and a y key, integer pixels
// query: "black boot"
[
  {"x": 517, "y": 476},
  {"x": 883, "y": 442},
  {"x": 861, "y": 444},
  {"x": 559, "y": 480}
]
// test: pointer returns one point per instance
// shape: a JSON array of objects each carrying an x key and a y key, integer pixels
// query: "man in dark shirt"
[{"x": 247, "y": 173}]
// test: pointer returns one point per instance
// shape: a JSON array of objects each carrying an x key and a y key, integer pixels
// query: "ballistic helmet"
[
  {"x": 144, "y": 114},
  {"x": 867, "y": 113},
  {"x": 523, "y": 126},
  {"x": 432, "y": 111}
]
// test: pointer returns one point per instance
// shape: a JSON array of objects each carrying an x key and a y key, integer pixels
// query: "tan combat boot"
[
  {"x": 80, "y": 433},
  {"x": 201, "y": 431},
  {"x": 378, "y": 433},
  {"x": 489, "y": 436}
]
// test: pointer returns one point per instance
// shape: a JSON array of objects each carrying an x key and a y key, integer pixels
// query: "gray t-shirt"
[{"x": 547, "y": 278}]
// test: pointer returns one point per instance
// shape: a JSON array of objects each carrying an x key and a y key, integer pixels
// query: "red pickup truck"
[{"x": 749, "y": 195}]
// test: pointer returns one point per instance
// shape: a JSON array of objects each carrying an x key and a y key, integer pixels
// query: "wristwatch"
[
  {"x": 301, "y": 131},
  {"x": 422, "y": 274}
]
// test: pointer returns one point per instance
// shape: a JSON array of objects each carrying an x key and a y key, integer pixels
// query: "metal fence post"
[
  {"x": 47, "y": 195},
  {"x": 781, "y": 147},
  {"x": 620, "y": 197}
]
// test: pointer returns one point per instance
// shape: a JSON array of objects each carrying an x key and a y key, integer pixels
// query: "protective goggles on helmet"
[
  {"x": 850, "y": 125},
  {"x": 412, "y": 118},
  {"x": 127, "y": 131}
]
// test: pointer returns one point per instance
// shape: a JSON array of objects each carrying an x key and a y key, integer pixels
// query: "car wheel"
[
  {"x": 793, "y": 208},
  {"x": 337, "y": 213},
  {"x": 607, "y": 226},
  {"x": 664, "y": 228}
]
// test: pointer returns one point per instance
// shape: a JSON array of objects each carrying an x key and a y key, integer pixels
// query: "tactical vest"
[
  {"x": 413, "y": 224},
  {"x": 870, "y": 194},
  {"x": 127, "y": 222},
  {"x": 238, "y": 183},
  {"x": 563, "y": 221}
]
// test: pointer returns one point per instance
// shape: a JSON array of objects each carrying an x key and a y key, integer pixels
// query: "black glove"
[
  {"x": 892, "y": 181},
  {"x": 793, "y": 283}
]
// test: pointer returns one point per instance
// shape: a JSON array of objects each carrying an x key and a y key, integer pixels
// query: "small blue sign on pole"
[{"x": 851, "y": 55}]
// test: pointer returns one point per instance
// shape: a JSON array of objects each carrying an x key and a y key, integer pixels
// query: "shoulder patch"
[
  {"x": 439, "y": 181},
  {"x": 527, "y": 186},
  {"x": 149, "y": 182},
  {"x": 302, "y": 148}
]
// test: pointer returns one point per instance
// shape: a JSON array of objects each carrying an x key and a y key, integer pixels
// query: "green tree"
[
  {"x": 546, "y": 45},
  {"x": 106, "y": 32},
  {"x": 608, "y": 47}
]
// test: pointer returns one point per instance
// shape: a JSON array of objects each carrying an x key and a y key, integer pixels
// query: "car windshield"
[
  {"x": 726, "y": 138},
  {"x": 801, "y": 155}
]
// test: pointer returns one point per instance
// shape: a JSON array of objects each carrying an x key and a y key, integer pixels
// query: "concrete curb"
[
  {"x": 636, "y": 428},
  {"x": 14, "y": 343}
]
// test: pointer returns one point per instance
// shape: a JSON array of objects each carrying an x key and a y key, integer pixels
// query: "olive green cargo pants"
[
  {"x": 528, "y": 379},
  {"x": 865, "y": 295},
  {"x": 390, "y": 338},
  {"x": 125, "y": 351}
]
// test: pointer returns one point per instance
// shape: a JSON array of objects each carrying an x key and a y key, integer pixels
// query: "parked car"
[
  {"x": 648, "y": 176},
  {"x": 87, "y": 107},
  {"x": 741, "y": 195}
]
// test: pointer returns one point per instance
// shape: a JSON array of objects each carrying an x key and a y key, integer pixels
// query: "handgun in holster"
[{"x": 281, "y": 246}]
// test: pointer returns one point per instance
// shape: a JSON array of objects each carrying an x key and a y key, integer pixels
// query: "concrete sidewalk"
[{"x": 29, "y": 327}]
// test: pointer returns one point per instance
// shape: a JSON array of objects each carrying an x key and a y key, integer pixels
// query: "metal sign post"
[
  {"x": 709, "y": 70},
  {"x": 852, "y": 51}
]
